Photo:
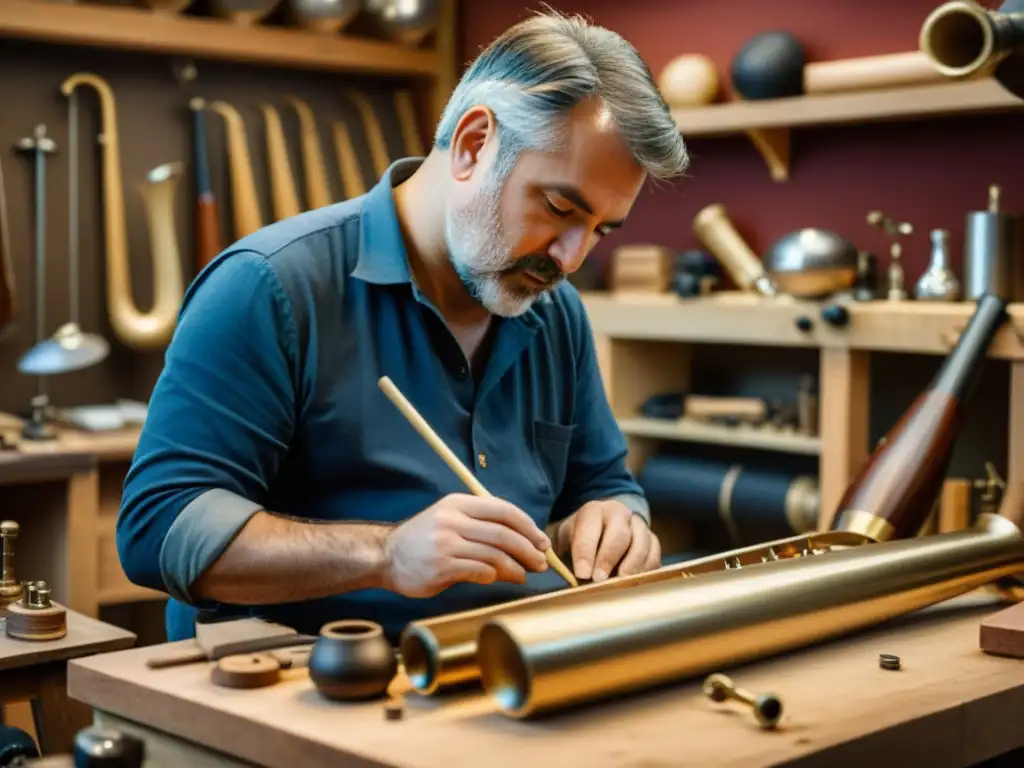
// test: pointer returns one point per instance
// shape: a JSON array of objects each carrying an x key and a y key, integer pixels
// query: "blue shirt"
[{"x": 268, "y": 399}]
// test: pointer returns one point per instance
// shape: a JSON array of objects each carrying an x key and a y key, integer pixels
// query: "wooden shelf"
[
  {"x": 695, "y": 432},
  {"x": 743, "y": 318},
  {"x": 768, "y": 123},
  {"x": 139, "y": 29}
]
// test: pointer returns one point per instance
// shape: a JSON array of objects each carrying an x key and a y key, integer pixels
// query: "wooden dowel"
[{"x": 462, "y": 472}]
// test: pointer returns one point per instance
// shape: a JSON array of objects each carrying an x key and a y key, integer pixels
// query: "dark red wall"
[{"x": 930, "y": 173}]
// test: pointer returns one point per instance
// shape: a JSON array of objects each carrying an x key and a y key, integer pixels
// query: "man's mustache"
[{"x": 541, "y": 265}]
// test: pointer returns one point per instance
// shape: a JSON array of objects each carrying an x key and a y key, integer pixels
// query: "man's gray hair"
[{"x": 539, "y": 69}]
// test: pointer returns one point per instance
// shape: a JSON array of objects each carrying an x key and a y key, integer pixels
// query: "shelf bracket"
[{"x": 773, "y": 144}]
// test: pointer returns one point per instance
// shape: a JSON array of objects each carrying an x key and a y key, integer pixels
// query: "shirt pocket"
[{"x": 551, "y": 444}]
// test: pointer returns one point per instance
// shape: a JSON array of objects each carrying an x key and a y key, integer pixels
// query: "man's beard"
[{"x": 479, "y": 251}]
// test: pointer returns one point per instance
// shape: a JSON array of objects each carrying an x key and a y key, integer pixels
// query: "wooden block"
[{"x": 1002, "y": 633}]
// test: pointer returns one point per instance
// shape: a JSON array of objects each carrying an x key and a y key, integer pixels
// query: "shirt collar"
[
  {"x": 382, "y": 255},
  {"x": 383, "y": 258}
]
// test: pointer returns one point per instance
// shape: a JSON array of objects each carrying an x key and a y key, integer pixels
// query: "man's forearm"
[{"x": 279, "y": 559}]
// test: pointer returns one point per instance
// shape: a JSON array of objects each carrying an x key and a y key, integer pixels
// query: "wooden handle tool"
[{"x": 468, "y": 478}]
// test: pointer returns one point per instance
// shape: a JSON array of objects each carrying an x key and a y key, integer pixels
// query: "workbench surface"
[{"x": 949, "y": 705}]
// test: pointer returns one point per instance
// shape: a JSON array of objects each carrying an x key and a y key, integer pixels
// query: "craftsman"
[{"x": 274, "y": 478}]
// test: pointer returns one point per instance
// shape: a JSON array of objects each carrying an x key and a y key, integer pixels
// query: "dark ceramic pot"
[{"x": 352, "y": 660}]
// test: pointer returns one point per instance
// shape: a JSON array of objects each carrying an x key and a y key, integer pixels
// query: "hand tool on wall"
[
  {"x": 406, "y": 112},
  {"x": 445, "y": 453},
  {"x": 38, "y": 146},
  {"x": 150, "y": 330},
  {"x": 70, "y": 348},
  {"x": 318, "y": 190},
  {"x": 374, "y": 131},
  {"x": 244, "y": 203},
  {"x": 8, "y": 302},
  {"x": 352, "y": 181},
  {"x": 283, "y": 196},
  {"x": 207, "y": 223}
]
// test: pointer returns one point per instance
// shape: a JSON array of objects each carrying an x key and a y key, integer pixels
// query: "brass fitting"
[{"x": 767, "y": 707}]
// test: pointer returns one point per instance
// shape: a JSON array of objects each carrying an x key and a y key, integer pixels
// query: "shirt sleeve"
[
  {"x": 220, "y": 420},
  {"x": 597, "y": 453}
]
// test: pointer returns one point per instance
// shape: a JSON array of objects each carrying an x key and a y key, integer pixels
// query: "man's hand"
[
  {"x": 462, "y": 538},
  {"x": 605, "y": 535}
]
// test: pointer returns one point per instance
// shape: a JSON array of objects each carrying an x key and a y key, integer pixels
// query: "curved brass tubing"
[
  {"x": 352, "y": 180},
  {"x": 151, "y": 330},
  {"x": 374, "y": 131},
  {"x": 244, "y": 203},
  {"x": 283, "y": 195},
  {"x": 318, "y": 191},
  {"x": 406, "y": 111}
]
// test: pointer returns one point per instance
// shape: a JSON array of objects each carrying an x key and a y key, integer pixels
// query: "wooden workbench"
[
  {"x": 69, "y": 490},
  {"x": 950, "y": 705},
  {"x": 37, "y": 671}
]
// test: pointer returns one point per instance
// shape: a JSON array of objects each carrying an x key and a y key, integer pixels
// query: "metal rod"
[{"x": 73, "y": 235}]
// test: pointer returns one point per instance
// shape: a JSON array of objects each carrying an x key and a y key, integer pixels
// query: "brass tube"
[
  {"x": 964, "y": 38},
  {"x": 440, "y": 652},
  {"x": 537, "y": 661}
]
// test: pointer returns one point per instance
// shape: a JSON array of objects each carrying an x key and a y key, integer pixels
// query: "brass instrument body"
[
  {"x": 439, "y": 653},
  {"x": 534, "y": 662},
  {"x": 894, "y": 491},
  {"x": 153, "y": 329}
]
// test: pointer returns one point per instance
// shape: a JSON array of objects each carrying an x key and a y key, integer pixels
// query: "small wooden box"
[{"x": 641, "y": 269}]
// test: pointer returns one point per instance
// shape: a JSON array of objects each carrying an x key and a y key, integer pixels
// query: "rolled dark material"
[
  {"x": 769, "y": 66},
  {"x": 751, "y": 504},
  {"x": 895, "y": 490}
]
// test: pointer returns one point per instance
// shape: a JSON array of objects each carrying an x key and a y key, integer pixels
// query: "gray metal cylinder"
[{"x": 992, "y": 256}]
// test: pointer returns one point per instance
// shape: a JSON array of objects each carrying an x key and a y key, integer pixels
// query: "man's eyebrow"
[{"x": 574, "y": 196}]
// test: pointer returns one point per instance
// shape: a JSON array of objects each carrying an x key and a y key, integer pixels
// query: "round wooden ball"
[
  {"x": 689, "y": 80},
  {"x": 352, "y": 660},
  {"x": 769, "y": 66}
]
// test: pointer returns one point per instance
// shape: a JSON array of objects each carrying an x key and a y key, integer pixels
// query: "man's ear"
[{"x": 474, "y": 133}]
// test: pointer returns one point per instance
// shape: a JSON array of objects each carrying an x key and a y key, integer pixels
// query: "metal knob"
[
  {"x": 95, "y": 747},
  {"x": 766, "y": 706}
]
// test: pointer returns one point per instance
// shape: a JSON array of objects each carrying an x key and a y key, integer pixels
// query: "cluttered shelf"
[
  {"x": 931, "y": 100},
  {"x": 139, "y": 29},
  {"x": 740, "y": 317}
]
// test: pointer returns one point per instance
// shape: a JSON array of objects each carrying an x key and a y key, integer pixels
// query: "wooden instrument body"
[
  {"x": 903, "y": 478},
  {"x": 895, "y": 491}
]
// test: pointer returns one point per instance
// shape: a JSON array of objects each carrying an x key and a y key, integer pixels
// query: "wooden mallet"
[{"x": 468, "y": 478}]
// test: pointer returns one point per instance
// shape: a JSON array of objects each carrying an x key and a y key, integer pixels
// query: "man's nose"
[{"x": 570, "y": 249}]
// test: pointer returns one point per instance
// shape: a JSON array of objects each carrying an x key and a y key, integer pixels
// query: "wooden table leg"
[{"x": 57, "y": 718}]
